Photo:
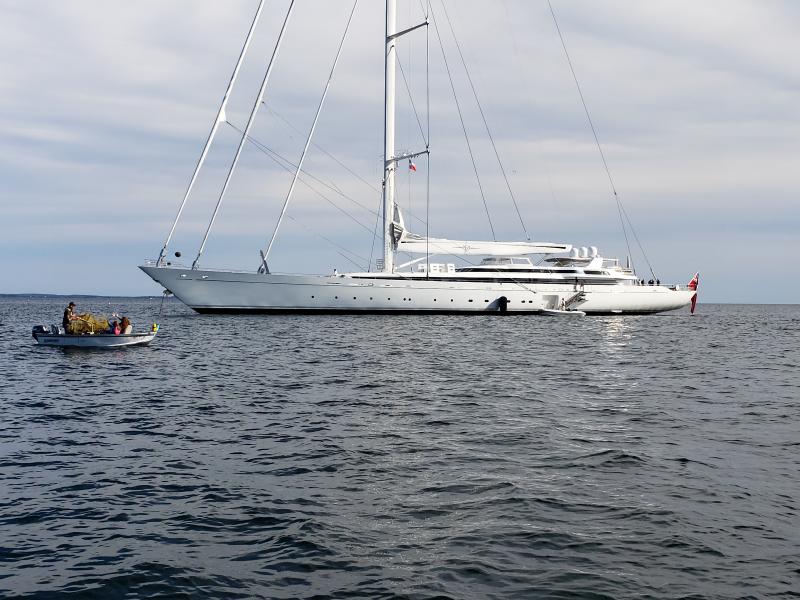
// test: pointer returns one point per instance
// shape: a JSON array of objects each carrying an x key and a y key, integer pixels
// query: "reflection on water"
[{"x": 616, "y": 333}]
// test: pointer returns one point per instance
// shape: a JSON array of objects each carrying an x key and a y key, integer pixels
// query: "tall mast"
[{"x": 389, "y": 164}]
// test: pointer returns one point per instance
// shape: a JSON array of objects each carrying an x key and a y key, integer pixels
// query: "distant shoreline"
[{"x": 46, "y": 296}]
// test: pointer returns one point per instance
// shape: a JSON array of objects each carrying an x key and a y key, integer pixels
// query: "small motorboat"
[
  {"x": 54, "y": 336},
  {"x": 554, "y": 312}
]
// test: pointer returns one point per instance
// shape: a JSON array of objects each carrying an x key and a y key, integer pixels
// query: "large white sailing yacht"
[{"x": 561, "y": 277}]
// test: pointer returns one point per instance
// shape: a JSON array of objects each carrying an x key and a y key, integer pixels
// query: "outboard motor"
[
  {"x": 502, "y": 304},
  {"x": 40, "y": 330}
]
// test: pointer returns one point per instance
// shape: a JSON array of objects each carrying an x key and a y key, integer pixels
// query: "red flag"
[
  {"x": 412, "y": 166},
  {"x": 693, "y": 286}
]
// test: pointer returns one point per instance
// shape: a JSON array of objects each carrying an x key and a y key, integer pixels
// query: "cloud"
[{"x": 106, "y": 105}]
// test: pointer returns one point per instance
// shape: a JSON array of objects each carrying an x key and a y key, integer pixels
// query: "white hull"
[
  {"x": 231, "y": 291},
  {"x": 94, "y": 341}
]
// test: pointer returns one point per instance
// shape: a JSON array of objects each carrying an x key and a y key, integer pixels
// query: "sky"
[{"x": 105, "y": 106}]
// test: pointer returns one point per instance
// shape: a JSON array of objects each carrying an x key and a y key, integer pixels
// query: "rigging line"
[
  {"x": 269, "y": 151},
  {"x": 214, "y": 128},
  {"x": 411, "y": 99},
  {"x": 624, "y": 231},
  {"x": 250, "y": 123},
  {"x": 311, "y": 132},
  {"x": 485, "y": 123},
  {"x": 594, "y": 131},
  {"x": 461, "y": 118},
  {"x": 342, "y": 250},
  {"x": 321, "y": 149},
  {"x": 518, "y": 68},
  {"x": 277, "y": 157},
  {"x": 287, "y": 165},
  {"x": 636, "y": 237}
]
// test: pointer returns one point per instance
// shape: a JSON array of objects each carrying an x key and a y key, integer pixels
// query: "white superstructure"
[{"x": 564, "y": 278}]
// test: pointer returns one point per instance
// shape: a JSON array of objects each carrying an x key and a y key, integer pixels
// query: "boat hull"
[
  {"x": 238, "y": 292},
  {"x": 94, "y": 341}
]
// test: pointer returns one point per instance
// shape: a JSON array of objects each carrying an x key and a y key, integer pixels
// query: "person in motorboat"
[
  {"x": 113, "y": 327},
  {"x": 69, "y": 316},
  {"x": 125, "y": 326}
]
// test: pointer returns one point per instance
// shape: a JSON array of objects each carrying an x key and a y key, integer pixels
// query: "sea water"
[{"x": 494, "y": 456}]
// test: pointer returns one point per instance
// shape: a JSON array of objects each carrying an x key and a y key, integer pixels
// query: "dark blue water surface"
[{"x": 403, "y": 457}]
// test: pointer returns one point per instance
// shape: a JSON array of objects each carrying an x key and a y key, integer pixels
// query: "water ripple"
[{"x": 403, "y": 457}]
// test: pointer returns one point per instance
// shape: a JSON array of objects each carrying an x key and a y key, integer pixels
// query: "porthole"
[
  {"x": 312, "y": 297},
  {"x": 354, "y": 297},
  {"x": 470, "y": 299},
  {"x": 336, "y": 297}
]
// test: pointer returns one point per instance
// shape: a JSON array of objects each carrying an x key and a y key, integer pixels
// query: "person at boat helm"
[{"x": 69, "y": 316}]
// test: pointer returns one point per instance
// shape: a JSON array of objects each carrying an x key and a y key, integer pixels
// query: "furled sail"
[{"x": 417, "y": 244}]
